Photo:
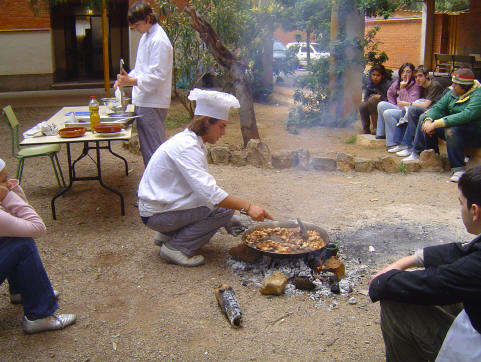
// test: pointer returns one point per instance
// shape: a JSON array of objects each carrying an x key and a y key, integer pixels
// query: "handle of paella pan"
[{"x": 303, "y": 229}]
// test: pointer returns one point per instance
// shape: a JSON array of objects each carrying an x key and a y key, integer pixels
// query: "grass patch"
[
  {"x": 402, "y": 168},
  {"x": 351, "y": 140}
]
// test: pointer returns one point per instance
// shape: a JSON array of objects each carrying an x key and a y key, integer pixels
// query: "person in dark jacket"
[
  {"x": 375, "y": 92},
  {"x": 422, "y": 317}
]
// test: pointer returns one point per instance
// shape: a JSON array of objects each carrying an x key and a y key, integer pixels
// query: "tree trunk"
[
  {"x": 344, "y": 94},
  {"x": 237, "y": 70},
  {"x": 308, "y": 45},
  {"x": 267, "y": 62}
]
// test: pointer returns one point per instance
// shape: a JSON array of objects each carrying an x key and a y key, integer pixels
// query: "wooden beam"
[
  {"x": 427, "y": 34},
  {"x": 105, "y": 47}
]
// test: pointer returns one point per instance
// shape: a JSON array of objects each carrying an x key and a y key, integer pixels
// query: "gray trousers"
[
  {"x": 414, "y": 332},
  {"x": 150, "y": 128},
  {"x": 190, "y": 229}
]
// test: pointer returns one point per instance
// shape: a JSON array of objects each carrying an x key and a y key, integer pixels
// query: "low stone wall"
[{"x": 258, "y": 154}]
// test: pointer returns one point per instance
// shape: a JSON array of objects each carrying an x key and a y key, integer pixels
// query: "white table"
[{"x": 91, "y": 141}]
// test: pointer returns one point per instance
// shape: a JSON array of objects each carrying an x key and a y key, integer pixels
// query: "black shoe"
[{"x": 380, "y": 137}]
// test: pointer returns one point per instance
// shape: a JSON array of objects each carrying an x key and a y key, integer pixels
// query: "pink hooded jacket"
[{"x": 17, "y": 217}]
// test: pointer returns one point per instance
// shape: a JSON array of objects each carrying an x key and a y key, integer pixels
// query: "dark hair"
[
  {"x": 139, "y": 12},
  {"x": 422, "y": 69},
  {"x": 401, "y": 70},
  {"x": 470, "y": 185},
  {"x": 199, "y": 124},
  {"x": 380, "y": 69}
]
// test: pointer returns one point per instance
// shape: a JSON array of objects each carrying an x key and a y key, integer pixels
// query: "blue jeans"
[
  {"x": 457, "y": 138},
  {"x": 21, "y": 265},
  {"x": 190, "y": 229},
  {"x": 385, "y": 113},
  {"x": 412, "y": 115}
]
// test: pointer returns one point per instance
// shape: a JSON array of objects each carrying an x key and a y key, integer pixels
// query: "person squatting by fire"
[
  {"x": 434, "y": 313},
  {"x": 178, "y": 197}
]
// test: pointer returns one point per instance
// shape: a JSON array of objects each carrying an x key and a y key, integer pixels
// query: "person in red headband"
[{"x": 456, "y": 118}]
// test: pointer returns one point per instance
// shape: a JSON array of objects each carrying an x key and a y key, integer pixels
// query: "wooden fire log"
[{"x": 227, "y": 300}]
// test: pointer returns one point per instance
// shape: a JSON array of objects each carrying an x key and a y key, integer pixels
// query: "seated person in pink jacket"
[{"x": 20, "y": 262}]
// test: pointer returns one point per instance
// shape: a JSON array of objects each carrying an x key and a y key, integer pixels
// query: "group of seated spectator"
[{"x": 416, "y": 110}]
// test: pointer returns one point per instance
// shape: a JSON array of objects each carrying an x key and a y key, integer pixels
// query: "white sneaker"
[
  {"x": 456, "y": 176},
  {"x": 401, "y": 121},
  {"x": 179, "y": 258},
  {"x": 411, "y": 157},
  {"x": 397, "y": 148},
  {"x": 404, "y": 153},
  {"x": 160, "y": 238}
]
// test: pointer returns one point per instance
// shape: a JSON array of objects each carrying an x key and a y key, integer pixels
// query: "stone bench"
[{"x": 370, "y": 141}]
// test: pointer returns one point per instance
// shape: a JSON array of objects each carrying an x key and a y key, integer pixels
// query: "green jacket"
[{"x": 457, "y": 110}]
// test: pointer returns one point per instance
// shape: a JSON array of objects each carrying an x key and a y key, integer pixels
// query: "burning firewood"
[{"x": 227, "y": 300}]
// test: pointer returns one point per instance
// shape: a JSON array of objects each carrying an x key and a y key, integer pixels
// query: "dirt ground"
[{"x": 133, "y": 306}]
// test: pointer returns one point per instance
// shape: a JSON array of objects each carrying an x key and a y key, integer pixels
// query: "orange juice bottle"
[{"x": 94, "y": 113}]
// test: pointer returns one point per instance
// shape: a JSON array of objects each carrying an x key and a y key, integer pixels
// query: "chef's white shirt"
[
  {"x": 177, "y": 177},
  {"x": 153, "y": 70}
]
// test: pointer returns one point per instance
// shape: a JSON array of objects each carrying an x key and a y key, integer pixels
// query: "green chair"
[{"x": 32, "y": 151}]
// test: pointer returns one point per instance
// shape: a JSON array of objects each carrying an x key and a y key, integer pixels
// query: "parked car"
[
  {"x": 300, "y": 50},
  {"x": 279, "y": 50}
]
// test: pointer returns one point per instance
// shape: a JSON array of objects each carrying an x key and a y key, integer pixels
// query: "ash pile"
[{"x": 323, "y": 277}]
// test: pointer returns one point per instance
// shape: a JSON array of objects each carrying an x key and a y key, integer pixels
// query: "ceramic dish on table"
[
  {"x": 108, "y": 128},
  {"x": 72, "y": 132}
]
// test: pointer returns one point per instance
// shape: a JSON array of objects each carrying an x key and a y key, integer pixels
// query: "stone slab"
[{"x": 370, "y": 141}]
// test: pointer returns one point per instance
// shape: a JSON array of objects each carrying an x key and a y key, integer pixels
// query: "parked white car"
[{"x": 300, "y": 49}]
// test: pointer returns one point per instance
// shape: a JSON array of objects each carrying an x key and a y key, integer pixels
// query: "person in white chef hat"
[{"x": 178, "y": 197}]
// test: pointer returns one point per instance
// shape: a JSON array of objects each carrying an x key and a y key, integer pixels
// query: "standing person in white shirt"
[
  {"x": 151, "y": 78},
  {"x": 177, "y": 195}
]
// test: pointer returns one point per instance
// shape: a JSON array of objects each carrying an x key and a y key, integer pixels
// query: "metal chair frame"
[{"x": 33, "y": 151}]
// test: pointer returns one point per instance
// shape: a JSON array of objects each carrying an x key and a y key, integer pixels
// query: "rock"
[
  {"x": 209, "y": 156},
  {"x": 303, "y": 158},
  {"x": 323, "y": 164},
  {"x": 334, "y": 265},
  {"x": 258, "y": 154},
  {"x": 370, "y": 141},
  {"x": 220, "y": 155},
  {"x": 244, "y": 253},
  {"x": 430, "y": 161},
  {"x": 388, "y": 163},
  {"x": 344, "y": 162},
  {"x": 238, "y": 158},
  {"x": 133, "y": 145},
  {"x": 303, "y": 283},
  {"x": 284, "y": 160},
  {"x": 412, "y": 166},
  {"x": 352, "y": 300},
  {"x": 364, "y": 164},
  {"x": 334, "y": 284},
  {"x": 274, "y": 284}
]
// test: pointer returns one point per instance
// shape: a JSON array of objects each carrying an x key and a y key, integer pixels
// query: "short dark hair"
[
  {"x": 380, "y": 69},
  {"x": 422, "y": 69},
  {"x": 139, "y": 12},
  {"x": 199, "y": 124},
  {"x": 470, "y": 185}
]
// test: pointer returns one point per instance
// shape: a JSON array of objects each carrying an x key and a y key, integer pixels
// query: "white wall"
[
  {"x": 25, "y": 52},
  {"x": 134, "y": 38}
]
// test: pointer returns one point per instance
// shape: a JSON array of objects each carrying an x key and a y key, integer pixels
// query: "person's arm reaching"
[{"x": 255, "y": 212}]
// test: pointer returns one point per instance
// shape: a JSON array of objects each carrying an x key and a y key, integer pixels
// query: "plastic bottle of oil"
[{"x": 94, "y": 113}]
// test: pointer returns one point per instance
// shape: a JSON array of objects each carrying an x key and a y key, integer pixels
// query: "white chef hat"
[
  {"x": 2, "y": 165},
  {"x": 212, "y": 103}
]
